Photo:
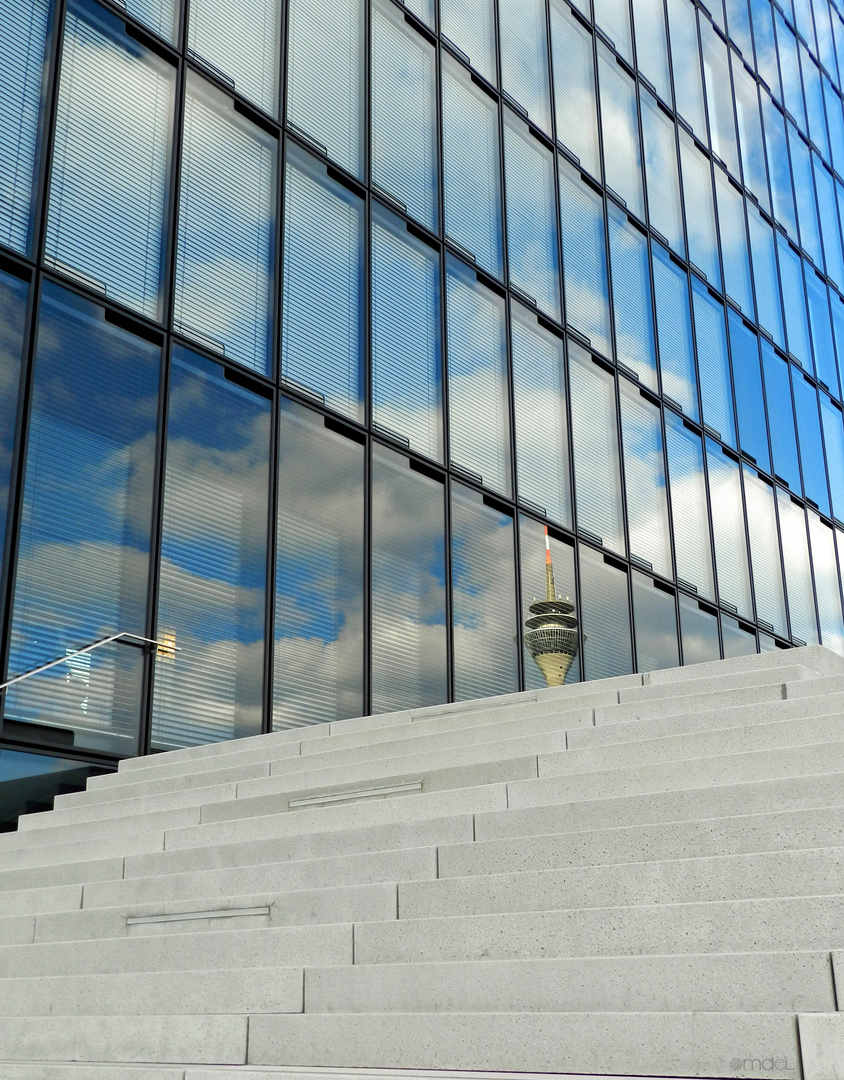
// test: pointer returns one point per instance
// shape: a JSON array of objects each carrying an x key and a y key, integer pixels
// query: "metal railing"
[{"x": 166, "y": 647}]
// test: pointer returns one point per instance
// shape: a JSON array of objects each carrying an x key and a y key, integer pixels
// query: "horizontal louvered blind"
[
  {"x": 470, "y": 25},
  {"x": 819, "y": 321},
  {"x": 833, "y": 434},
  {"x": 685, "y": 54},
  {"x": 613, "y": 17},
  {"x": 674, "y": 332},
  {"x": 159, "y": 15},
  {"x": 635, "y": 339},
  {"x": 226, "y": 225},
  {"x": 605, "y": 626},
  {"x": 728, "y": 529},
  {"x": 325, "y": 76},
  {"x": 644, "y": 476},
  {"x": 585, "y": 259},
  {"x": 794, "y": 303},
  {"x": 575, "y": 101},
  {"x": 719, "y": 98},
  {"x": 809, "y": 439},
  {"x": 798, "y": 571},
  {"x": 322, "y": 330},
  {"x": 750, "y": 403},
  {"x": 663, "y": 180},
  {"x": 620, "y": 125},
  {"x": 479, "y": 426},
  {"x": 396, "y": 631},
  {"x": 689, "y": 505},
  {"x": 825, "y": 186},
  {"x": 765, "y": 552},
  {"x": 652, "y": 45},
  {"x": 524, "y": 57},
  {"x": 827, "y": 583},
  {"x": 110, "y": 175},
  {"x": 242, "y": 38},
  {"x": 734, "y": 249},
  {"x": 597, "y": 480},
  {"x": 781, "y": 417},
  {"x": 804, "y": 192},
  {"x": 406, "y": 358},
  {"x": 700, "y": 210},
  {"x": 768, "y": 300},
  {"x": 23, "y": 38},
  {"x": 713, "y": 363},
  {"x": 404, "y": 114}
]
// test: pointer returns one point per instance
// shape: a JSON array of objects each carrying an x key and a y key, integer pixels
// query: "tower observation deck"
[{"x": 552, "y": 637}]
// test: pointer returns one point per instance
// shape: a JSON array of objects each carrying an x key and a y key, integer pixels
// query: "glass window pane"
[
  {"x": 479, "y": 424},
  {"x": 242, "y": 40},
  {"x": 821, "y": 326},
  {"x": 471, "y": 181},
  {"x": 811, "y": 446},
  {"x": 827, "y": 585},
  {"x": 30, "y": 782},
  {"x": 483, "y": 598},
  {"x": 794, "y": 303},
  {"x": 531, "y": 217},
  {"x": 13, "y": 302},
  {"x": 470, "y": 25},
  {"x": 674, "y": 329},
  {"x": 23, "y": 45},
  {"x": 833, "y": 436},
  {"x": 699, "y": 631},
  {"x": 107, "y": 217},
  {"x": 532, "y": 554},
  {"x": 689, "y": 506},
  {"x": 322, "y": 311},
  {"x": 738, "y": 24},
  {"x": 814, "y": 102},
  {"x": 597, "y": 481},
  {"x": 406, "y": 348},
  {"x": 685, "y": 52},
  {"x": 728, "y": 529},
  {"x": 713, "y": 363},
  {"x": 644, "y": 476},
  {"x": 804, "y": 192},
  {"x": 700, "y": 210},
  {"x": 224, "y": 265},
  {"x": 765, "y": 552},
  {"x": 158, "y": 15},
  {"x": 825, "y": 186},
  {"x": 318, "y": 661},
  {"x": 781, "y": 418},
  {"x": 613, "y": 17},
  {"x": 635, "y": 341},
  {"x": 766, "y": 47},
  {"x": 798, "y": 573},
  {"x": 83, "y": 560},
  {"x": 605, "y": 623},
  {"x": 790, "y": 68},
  {"x": 584, "y": 258},
  {"x": 539, "y": 384},
  {"x": 750, "y": 403},
  {"x": 734, "y": 250},
  {"x": 739, "y": 638},
  {"x": 716, "y": 74},
  {"x": 835, "y": 117},
  {"x": 524, "y": 57},
  {"x": 750, "y": 133},
  {"x": 325, "y": 76},
  {"x": 404, "y": 114},
  {"x": 655, "y": 622},
  {"x": 664, "y": 210},
  {"x": 651, "y": 45},
  {"x": 408, "y": 586},
  {"x": 212, "y": 583},
  {"x": 620, "y": 126},
  {"x": 778, "y": 169},
  {"x": 575, "y": 103},
  {"x": 766, "y": 280}
]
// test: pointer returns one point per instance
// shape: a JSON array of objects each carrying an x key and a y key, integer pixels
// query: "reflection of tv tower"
[{"x": 552, "y": 638}]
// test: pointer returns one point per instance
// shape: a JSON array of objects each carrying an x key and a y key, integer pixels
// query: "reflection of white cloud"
[
  {"x": 244, "y": 44},
  {"x": 574, "y": 72},
  {"x": 620, "y": 126},
  {"x": 471, "y": 26},
  {"x": 524, "y": 57}
]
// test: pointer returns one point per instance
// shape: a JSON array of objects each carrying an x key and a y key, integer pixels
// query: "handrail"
[{"x": 86, "y": 649}]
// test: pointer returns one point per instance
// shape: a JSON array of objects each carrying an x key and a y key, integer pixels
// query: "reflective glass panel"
[
  {"x": 620, "y": 127},
  {"x": 483, "y": 598},
  {"x": 30, "y": 782},
  {"x": 734, "y": 248},
  {"x": 811, "y": 446},
  {"x": 325, "y": 76},
  {"x": 825, "y": 188},
  {"x": 826, "y": 583},
  {"x": 762, "y": 17},
  {"x": 23, "y": 45},
  {"x": 539, "y": 385},
  {"x": 689, "y": 506},
  {"x": 699, "y": 632},
  {"x": 83, "y": 559},
  {"x": 790, "y": 71},
  {"x": 532, "y": 567},
  {"x": 700, "y": 210},
  {"x": 613, "y": 17},
  {"x": 652, "y": 46},
  {"x": 713, "y": 363},
  {"x": 584, "y": 258},
  {"x": 531, "y": 217},
  {"x": 644, "y": 476},
  {"x": 750, "y": 404},
  {"x": 685, "y": 53},
  {"x": 404, "y": 114},
  {"x": 765, "y": 552},
  {"x": 674, "y": 330},
  {"x": 814, "y": 102},
  {"x": 408, "y": 585},
  {"x": 111, "y": 163},
  {"x": 226, "y": 241},
  {"x": 728, "y": 528},
  {"x": 597, "y": 479},
  {"x": 479, "y": 424},
  {"x": 739, "y": 638},
  {"x": 241, "y": 39},
  {"x": 750, "y": 132},
  {"x": 781, "y": 418},
  {"x": 318, "y": 660},
  {"x": 575, "y": 102},
  {"x": 471, "y": 181},
  {"x": 13, "y": 300},
  {"x": 605, "y": 620},
  {"x": 322, "y": 310},
  {"x": 798, "y": 573},
  {"x": 159, "y": 15},
  {"x": 524, "y": 57},
  {"x": 821, "y": 326},
  {"x": 716, "y": 74},
  {"x": 738, "y": 24},
  {"x": 661, "y": 170},
  {"x": 655, "y": 623},
  {"x": 765, "y": 278},
  {"x": 778, "y": 169},
  {"x": 794, "y": 303},
  {"x": 804, "y": 192},
  {"x": 635, "y": 339},
  {"x": 212, "y": 581},
  {"x": 833, "y": 437},
  {"x": 835, "y": 117},
  {"x": 470, "y": 25}
]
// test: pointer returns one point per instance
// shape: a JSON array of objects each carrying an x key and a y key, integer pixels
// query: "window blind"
[
  {"x": 810, "y": 442},
  {"x": 635, "y": 340},
  {"x": 804, "y": 192},
  {"x": 750, "y": 133},
  {"x": 652, "y": 46},
  {"x": 827, "y": 583},
  {"x": 605, "y": 623},
  {"x": 778, "y": 170},
  {"x": 685, "y": 53},
  {"x": 750, "y": 404},
  {"x": 765, "y": 277},
  {"x": 765, "y": 552},
  {"x": 575, "y": 102},
  {"x": 674, "y": 332},
  {"x": 655, "y": 619},
  {"x": 719, "y": 98},
  {"x": 713, "y": 363},
  {"x": 833, "y": 435},
  {"x": 613, "y": 17},
  {"x": 661, "y": 171},
  {"x": 242, "y": 38},
  {"x": 794, "y": 303},
  {"x": 689, "y": 505},
  {"x": 470, "y": 25},
  {"x": 781, "y": 418},
  {"x": 821, "y": 327},
  {"x": 830, "y": 230},
  {"x": 158, "y": 15},
  {"x": 700, "y": 210},
  {"x": 524, "y": 57},
  {"x": 835, "y": 119},
  {"x": 798, "y": 571},
  {"x": 584, "y": 259},
  {"x": 111, "y": 162},
  {"x": 728, "y": 529},
  {"x": 734, "y": 249},
  {"x": 644, "y": 476},
  {"x": 620, "y": 124}
]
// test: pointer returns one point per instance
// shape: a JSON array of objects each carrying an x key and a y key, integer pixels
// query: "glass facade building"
[{"x": 314, "y": 315}]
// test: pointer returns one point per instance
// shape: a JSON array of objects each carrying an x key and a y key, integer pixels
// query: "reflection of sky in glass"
[
  {"x": 765, "y": 551},
  {"x": 781, "y": 418},
  {"x": 794, "y": 303},
  {"x": 212, "y": 583},
  {"x": 734, "y": 248},
  {"x": 699, "y": 631},
  {"x": 483, "y": 598},
  {"x": 524, "y": 57},
  {"x": 25, "y": 25},
  {"x": 821, "y": 326},
  {"x": 835, "y": 118},
  {"x": 811, "y": 446},
  {"x": 825, "y": 187},
  {"x": 13, "y": 294},
  {"x": 790, "y": 69},
  {"x": 532, "y": 566},
  {"x": 804, "y": 191},
  {"x": 651, "y": 45},
  {"x": 575, "y": 102},
  {"x": 778, "y": 170},
  {"x": 242, "y": 38},
  {"x": 833, "y": 435},
  {"x": 674, "y": 331},
  {"x": 663, "y": 180},
  {"x": 713, "y": 363},
  {"x": 404, "y": 114},
  {"x": 814, "y": 103},
  {"x": 750, "y": 406},
  {"x": 408, "y": 586},
  {"x": 644, "y": 476},
  {"x": 318, "y": 663},
  {"x": 685, "y": 52},
  {"x": 470, "y": 24},
  {"x": 226, "y": 226},
  {"x": 728, "y": 529},
  {"x": 738, "y": 25},
  {"x": 766, "y": 49},
  {"x": 798, "y": 573},
  {"x": 111, "y": 161},
  {"x": 750, "y": 133},
  {"x": 531, "y": 218},
  {"x": 655, "y": 620},
  {"x": 542, "y": 460},
  {"x": 605, "y": 622},
  {"x": 635, "y": 342},
  {"x": 406, "y": 353},
  {"x": 620, "y": 128},
  {"x": 613, "y": 17},
  {"x": 716, "y": 73},
  {"x": 584, "y": 258},
  {"x": 768, "y": 299},
  {"x": 688, "y": 505},
  {"x": 827, "y": 583},
  {"x": 700, "y": 210}
]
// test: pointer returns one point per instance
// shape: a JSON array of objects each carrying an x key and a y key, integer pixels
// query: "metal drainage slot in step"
[
  {"x": 185, "y": 916},
  {"x": 360, "y": 793}
]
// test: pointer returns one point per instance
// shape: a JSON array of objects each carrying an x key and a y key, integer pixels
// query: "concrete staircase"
[{"x": 639, "y": 876}]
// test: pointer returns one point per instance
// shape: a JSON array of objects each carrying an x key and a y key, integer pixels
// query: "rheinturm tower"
[{"x": 552, "y": 638}]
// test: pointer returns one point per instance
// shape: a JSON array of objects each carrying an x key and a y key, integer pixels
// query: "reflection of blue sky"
[
  {"x": 404, "y": 114},
  {"x": 651, "y": 44},
  {"x": 613, "y": 17},
  {"x": 814, "y": 104},
  {"x": 750, "y": 405},
  {"x": 768, "y": 299},
  {"x": 700, "y": 210},
  {"x": 765, "y": 551},
  {"x": 674, "y": 332},
  {"x": 794, "y": 303},
  {"x": 804, "y": 191},
  {"x": 242, "y": 38},
  {"x": 766, "y": 48},
  {"x": 798, "y": 573},
  {"x": 822, "y": 332},
  {"x": 584, "y": 259},
  {"x": 470, "y": 24},
  {"x": 531, "y": 217},
  {"x": 226, "y": 224},
  {"x": 575, "y": 101},
  {"x": 833, "y": 434},
  {"x": 635, "y": 342},
  {"x": 716, "y": 74},
  {"x": 111, "y": 161},
  {"x": 663, "y": 179},
  {"x": 778, "y": 170},
  {"x": 13, "y": 294},
  {"x": 728, "y": 529},
  {"x": 734, "y": 250},
  {"x": 713, "y": 363},
  {"x": 790, "y": 70},
  {"x": 685, "y": 53},
  {"x": 750, "y": 133},
  {"x": 644, "y": 474},
  {"x": 689, "y": 505},
  {"x": 25, "y": 24},
  {"x": 825, "y": 186},
  {"x": 809, "y": 438},
  {"x": 835, "y": 118},
  {"x": 620, "y": 128},
  {"x": 524, "y": 57},
  {"x": 781, "y": 417},
  {"x": 826, "y": 583}
]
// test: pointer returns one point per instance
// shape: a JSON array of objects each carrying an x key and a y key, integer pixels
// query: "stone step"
[
  {"x": 37, "y": 901},
  {"x": 821, "y": 1045},
  {"x": 720, "y": 682},
  {"x": 62, "y": 873},
  {"x": 645, "y": 1044},
  {"x": 277, "y": 946},
  {"x": 677, "y": 705},
  {"x": 116, "y": 1071},
  {"x": 740, "y": 982},
  {"x": 95, "y": 830}
]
